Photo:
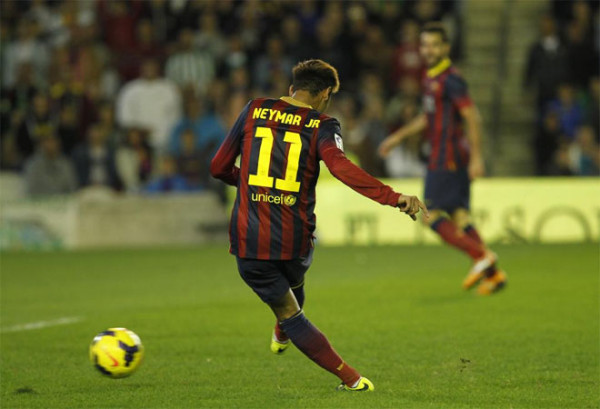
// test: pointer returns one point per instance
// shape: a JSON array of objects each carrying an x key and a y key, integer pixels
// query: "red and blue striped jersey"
[
  {"x": 281, "y": 143},
  {"x": 444, "y": 94}
]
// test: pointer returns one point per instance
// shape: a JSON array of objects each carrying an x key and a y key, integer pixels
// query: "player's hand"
[
  {"x": 476, "y": 167},
  {"x": 386, "y": 146},
  {"x": 411, "y": 205}
]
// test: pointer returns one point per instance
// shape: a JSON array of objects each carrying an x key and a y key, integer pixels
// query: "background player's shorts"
[
  {"x": 271, "y": 279},
  {"x": 447, "y": 190}
]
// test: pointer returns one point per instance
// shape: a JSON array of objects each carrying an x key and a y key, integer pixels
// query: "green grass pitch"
[{"x": 395, "y": 313}]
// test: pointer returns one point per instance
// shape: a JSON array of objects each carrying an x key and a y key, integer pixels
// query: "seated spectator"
[
  {"x": 134, "y": 160},
  {"x": 206, "y": 126},
  {"x": 25, "y": 49},
  {"x": 546, "y": 142},
  {"x": 406, "y": 159},
  {"x": 168, "y": 180},
  {"x": 150, "y": 102},
  {"x": 273, "y": 63},
  {"x": 49, "y": 171},
  {"x": 586, "y": 152},
  {"x": 194, "y": 163},
  {"x": 68, "y": 128},
  {"x": 190, "y": 67},
  {"x": 95, "y": 161},
  {"x": 37, "y": 118},
  {"x": 406, "y": 61},
  {"x": 570, "y": 114},
  {"x": 108, "y": 123}
]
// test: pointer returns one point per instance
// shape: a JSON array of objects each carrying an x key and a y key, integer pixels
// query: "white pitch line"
[{"x": 41, "y": 324}]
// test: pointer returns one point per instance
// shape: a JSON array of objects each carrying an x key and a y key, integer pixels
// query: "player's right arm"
[
  {"x": 223, "y": 164},
  {"x": 331, "y": 151},
  {"x": 418, "y": 124}
]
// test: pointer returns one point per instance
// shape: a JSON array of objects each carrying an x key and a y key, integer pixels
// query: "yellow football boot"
[
  {"x": 363, "y": 385},
  {"x": 278, "y": 347}
]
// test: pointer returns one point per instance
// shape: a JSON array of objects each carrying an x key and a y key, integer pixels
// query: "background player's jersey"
[
  {"x": 281, "y": 143},
  {"x": 445, "y": 93}
]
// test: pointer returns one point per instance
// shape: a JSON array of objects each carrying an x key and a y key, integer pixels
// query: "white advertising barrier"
[
  {"x": 504, "y": 210},
  {"x": 98, "y": 218}
]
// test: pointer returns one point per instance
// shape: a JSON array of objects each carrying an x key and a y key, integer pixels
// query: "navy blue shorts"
[
  {"x": 271, "y": 279},
  {"x": 447, "y": 190}
]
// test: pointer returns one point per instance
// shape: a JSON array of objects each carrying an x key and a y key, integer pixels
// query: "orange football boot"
[
  {"x": 492, "y": 284},
  {"x": 479, "y": 268}
]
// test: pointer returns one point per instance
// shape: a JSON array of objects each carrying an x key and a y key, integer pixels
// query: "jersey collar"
[
  {"x": 439, "y": 68},
  {"x": 293, "y": 101}
]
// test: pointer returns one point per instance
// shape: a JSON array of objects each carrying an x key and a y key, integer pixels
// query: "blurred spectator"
[
  {"x": 168, "y": 180},
  {"x": 562, "y": 165},
  {"x": 294, "y": 42},
  {"x": 147, "y": 47},
  {"x": 190, "y": 67},
  {"x": 546, "y": 143},
  {"x": 95, "y": 161},
  {"x": 150, "y": 102},
  {"x": 193, "y": 162},
  {"x": 583, "y": 62},
  {"x": 30, "y": 128},
  {"x": 108, "y": 123},
  {"x": 593, "y": 106},
  {"x": 568, "y": 110},
  {"x": 273, "y": 64},
  {"x": 210, "y": 39},
  {"x": 118, "y": 20},
  {"x": 407, "y": 61},
  {"x": 547, "y": 64},
  {"x": 67, "y": 128},
  {"x": 48, "y": 171},
  {"x": 162, "y": 18},
  {"x": 25, "y": 49},
  {"x": 405, "y": 160},
  {"x": 134, "y": 160},
  {"x": 587, "y": 152},
  {"x": 206, "y": 127}
]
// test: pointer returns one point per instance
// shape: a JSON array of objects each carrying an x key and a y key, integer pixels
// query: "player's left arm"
[
  {"x": 457, "y": 89},
  {"x": 223, "y": 164}
]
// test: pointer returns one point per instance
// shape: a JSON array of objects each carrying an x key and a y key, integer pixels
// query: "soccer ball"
[{"x": 116, "y": 352}]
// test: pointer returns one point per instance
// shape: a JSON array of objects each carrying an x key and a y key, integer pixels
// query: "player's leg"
[
  {"x": 313, "y": 343},
  {"x": 294, "y": 272},
  {"x": 450, "y": 191},
  {"x": 492, "y": 278},
  {"x": 267, "y": 280}
]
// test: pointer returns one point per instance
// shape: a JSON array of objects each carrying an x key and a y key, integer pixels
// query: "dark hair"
[
  {"x": 315, "y": 76},
  {"x": 436, "y": 28}
]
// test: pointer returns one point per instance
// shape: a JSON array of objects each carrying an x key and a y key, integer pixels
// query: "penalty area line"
[{"x": 41, "y": 324}]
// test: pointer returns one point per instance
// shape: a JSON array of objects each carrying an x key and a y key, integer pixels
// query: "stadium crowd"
[
  {"x": 562, "y": 70},
  {"x": 137, "y": 95}
]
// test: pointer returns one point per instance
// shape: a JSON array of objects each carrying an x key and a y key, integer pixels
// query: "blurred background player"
[
  {"x": 272, "y": 223},
  {"x": 454, "y": 160}
]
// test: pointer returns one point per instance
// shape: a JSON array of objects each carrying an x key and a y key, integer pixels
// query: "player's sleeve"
[
  {"x": 458, "y": 92},
  {"x": 223, "y": 164},
  {"x": 331, "y": 151}
]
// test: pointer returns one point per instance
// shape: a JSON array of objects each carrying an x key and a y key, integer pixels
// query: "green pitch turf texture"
[{"x": 395, "y": 313}]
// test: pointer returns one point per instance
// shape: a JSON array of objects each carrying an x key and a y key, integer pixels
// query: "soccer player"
[
  {"x": 281, "y": 142},
  {"x": 454, "y": 161}
]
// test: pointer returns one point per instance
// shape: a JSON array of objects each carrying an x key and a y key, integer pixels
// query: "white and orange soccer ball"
[{"x": 116, "y": 352}]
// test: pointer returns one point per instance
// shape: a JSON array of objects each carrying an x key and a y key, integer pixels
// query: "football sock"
[
  {"x": 299, "y": 294},
  {"x": 308, "y": 339},
  {"x": 473, "y": 233},
  {"x": 454, "y": 236}
]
